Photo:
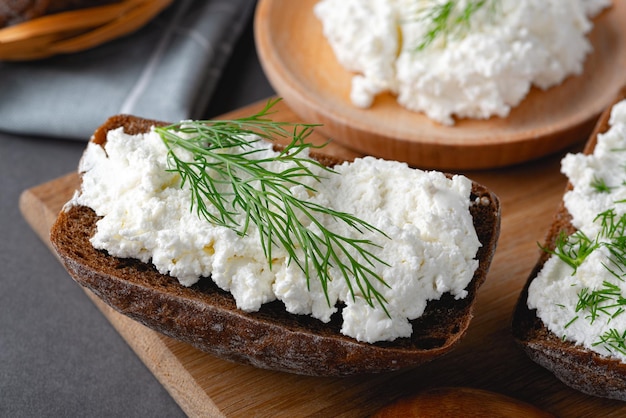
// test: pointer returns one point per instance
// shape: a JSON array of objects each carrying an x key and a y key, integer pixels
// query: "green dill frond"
[
  {"x": 599, "y": 184},
  {"x": 227, "y": 176},
  {"x": 572, "y": 249},
  {"x": 607, "y": 300},
  {"x": 613, "y": 340},
  {"x": 447, "y": 19}
]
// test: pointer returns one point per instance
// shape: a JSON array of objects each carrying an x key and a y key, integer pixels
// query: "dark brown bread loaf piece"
[
  {"x": 207, "y": 318},
  {"x": 575, "y": 366}
]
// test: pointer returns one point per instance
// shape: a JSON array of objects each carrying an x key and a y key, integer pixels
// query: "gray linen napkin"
[{"x": 166, "y": 71}]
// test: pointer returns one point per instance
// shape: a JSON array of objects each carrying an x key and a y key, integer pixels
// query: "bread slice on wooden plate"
[
  {"x": 207, "y": 318},
  {"x": 579, "y": 368}
]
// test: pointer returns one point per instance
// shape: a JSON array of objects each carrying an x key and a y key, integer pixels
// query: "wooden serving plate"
[
  {"x": 487, "y": 359},
  {"x": 460, "y": 402},
  {"x": 302, "y": 68}
]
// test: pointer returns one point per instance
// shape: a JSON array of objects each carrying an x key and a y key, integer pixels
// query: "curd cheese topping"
[
  {"x": 584, "y": 304},
  {"x": 430, "y": 247},
  {"x": 507, "y": 47}
]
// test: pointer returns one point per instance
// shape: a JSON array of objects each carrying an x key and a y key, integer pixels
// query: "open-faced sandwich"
[
  {"x": 571, "y": 316},
  {"x": 274, "y": 256}
]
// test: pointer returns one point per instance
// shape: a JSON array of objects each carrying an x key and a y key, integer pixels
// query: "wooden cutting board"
[{"x": 487, "y": 358}]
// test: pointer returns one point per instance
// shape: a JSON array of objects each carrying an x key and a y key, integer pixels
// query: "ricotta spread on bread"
[
  {"x": 507, "y": 47},
  {"x": 586, "y": 304},
  {"x": 430, "y": 248}
]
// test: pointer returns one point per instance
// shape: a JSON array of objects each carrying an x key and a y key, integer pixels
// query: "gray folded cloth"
[{"x": 166, "y": 71}]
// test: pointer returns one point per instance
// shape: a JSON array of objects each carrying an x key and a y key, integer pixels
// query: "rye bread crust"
[
  {"x": 577, "y": 367},
  {"x": 207, "y": 318}
]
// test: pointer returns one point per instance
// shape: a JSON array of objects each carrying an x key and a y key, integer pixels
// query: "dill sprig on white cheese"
[
  {"x": 613, "y": 340},
  {"x": 606, "y": 301},
  {"x": 446, "y": 19},
  {"x": 224, "y": 157}
]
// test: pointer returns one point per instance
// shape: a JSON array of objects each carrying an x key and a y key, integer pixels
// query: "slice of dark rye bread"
[
  {"x": 207, "y": 318},
  {"x": 575, "y": 366}
]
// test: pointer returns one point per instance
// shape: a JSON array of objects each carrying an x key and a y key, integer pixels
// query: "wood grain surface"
[
  {"x": 486, "y": 359},
  {"x": 75, "y": 30},
  {"x": 302, "y": 68}
]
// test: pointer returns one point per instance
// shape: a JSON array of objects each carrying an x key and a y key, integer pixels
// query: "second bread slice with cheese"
[{"x": 587, "y": 366}]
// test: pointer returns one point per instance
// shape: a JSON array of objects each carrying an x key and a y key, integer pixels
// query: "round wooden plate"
[
  {"x": 302, "y": 68},
  {"x": 460, "y": 402}
]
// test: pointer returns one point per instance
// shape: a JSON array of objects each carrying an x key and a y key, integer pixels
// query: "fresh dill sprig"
[
  {"x": 607, "y": 300},
  {"x": 600, "y": 185},
  {"x": 613, "y": 340},
  {"x": 227, "y": 176},
  {"x": 574, "y": 319},
  {"x": 446, "y": 19},
  {"x": 572, "y": 249},
  {"x": 575, "y": 248},
  {"x": 613, "y": 234}
]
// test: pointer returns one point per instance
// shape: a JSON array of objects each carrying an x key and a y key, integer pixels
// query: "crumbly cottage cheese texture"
[
  {"x": 555, "y": 291},
  {"x": 146, "y": 215},
  {"x": 484, "y": 71}
]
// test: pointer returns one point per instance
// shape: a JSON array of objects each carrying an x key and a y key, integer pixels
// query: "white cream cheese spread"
[
  {"x": 430, "y": 249},
  {"x": 507, "y": 47},
  {"x": 584, "y": 304}
]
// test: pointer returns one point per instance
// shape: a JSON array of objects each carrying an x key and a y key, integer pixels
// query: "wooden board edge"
[
  {"x": 147, "y": 344},
  {"x": 151, "y": 348}
]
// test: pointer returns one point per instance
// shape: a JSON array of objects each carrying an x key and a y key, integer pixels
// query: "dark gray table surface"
[{"x": 59, "y": 356}]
